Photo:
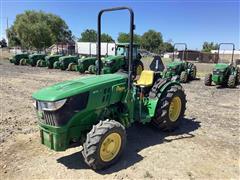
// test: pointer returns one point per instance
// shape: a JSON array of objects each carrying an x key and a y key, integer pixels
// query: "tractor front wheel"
[
  {"x": 183, "y": 77},
  {"x": 170, "y": 109},
  {"x": 104, "y": 144},
  {"x": 208, "y": 80},
  {"x": 231, "y": 81}
]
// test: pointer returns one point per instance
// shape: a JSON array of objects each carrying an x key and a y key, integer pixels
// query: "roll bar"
[
  {"x": 132, "y": 27},
  {"x": 184, "y": 44},
  {"x": 233, "y": 45}
]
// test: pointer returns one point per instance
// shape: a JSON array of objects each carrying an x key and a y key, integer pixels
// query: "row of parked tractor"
[{"x": 179, "y": 69}]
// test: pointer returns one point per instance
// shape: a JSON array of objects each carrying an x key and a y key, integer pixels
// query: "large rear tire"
[
  {"x": 208, "y": 80},
  {"x": 193, "y": 72},
  {"x": 104, "y": 144},
  {"x": 183, "y": 77},
  {"x": 170, "y": 109},
  {"x": 137, "y": 68},
  {"x": 231, "y": 81}
]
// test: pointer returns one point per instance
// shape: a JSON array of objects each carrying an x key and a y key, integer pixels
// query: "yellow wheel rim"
[
  {"x": 110, "y": 147},
  {"x": 139, "y": 70},
  {"x": 175, "y": 109}
]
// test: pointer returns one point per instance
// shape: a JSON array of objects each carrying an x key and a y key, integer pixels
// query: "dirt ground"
[{"x": 206, "y": 146}]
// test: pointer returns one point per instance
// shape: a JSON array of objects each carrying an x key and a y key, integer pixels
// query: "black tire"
[
  {"x": 162, "y": 119},
  {"x": 193, "y": 72},
  {"x": 183, "y": 77},
  {"x": 238, "y": 76},
  {"x": 208, "y": 80},
  {"x": 136, "y": 65},
  {"x": 94, "y": 140},
  {"x": 231, "y": 81}
]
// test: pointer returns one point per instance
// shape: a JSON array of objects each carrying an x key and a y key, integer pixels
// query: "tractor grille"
[
  {"x": 49, "y": 118},
  {"x": 61, "y": 116}
]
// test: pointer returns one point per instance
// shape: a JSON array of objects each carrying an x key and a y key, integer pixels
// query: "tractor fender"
[{"x": 157, "y": 92}]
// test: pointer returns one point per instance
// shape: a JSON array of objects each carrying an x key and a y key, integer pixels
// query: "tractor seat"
[{"x": 146, "y": 78}]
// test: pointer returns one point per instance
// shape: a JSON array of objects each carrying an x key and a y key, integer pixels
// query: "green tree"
[
  {"x": 106, "y": 38},
  {"x": 124, "y": 38},
  {"x": 37, "y": 29},
  {"x": 152, "y": 41},
  {"x": 90, "y": 35},
  {"x": 166, "y": 47},
  {"x": 208, "y": 46}
]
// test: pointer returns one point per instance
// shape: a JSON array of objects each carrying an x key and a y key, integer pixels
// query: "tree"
[
  {"x": 106, "y": 38},
  {"x": 166, "y": 47},
  {"x": 152, "y": 40},
  {"x": 37, "y": 29},
  {"x": 207, "y": 47},
  {"x": 90, "y": 35},
  {"x": 124, "y": 38}
]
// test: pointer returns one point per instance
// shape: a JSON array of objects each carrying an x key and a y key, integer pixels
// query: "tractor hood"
[
  {"x": 220, "y": 66},
  {"x": 112, "y": 58},
  {"x": 73, "y": 87},
  {"x": 174, "y": 64}
]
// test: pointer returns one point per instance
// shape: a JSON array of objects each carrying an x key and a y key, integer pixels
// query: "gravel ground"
[{"x": 205, "y": 146}]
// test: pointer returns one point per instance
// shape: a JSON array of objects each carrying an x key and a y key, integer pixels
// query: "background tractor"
[
  {"x": 224, "y": 74},
  {"x": 64, "y": 61},
  {"x": 50, "y": 60},
  {"x": 19, "y": 58},
  {"x": 96, "y": 110},
  {"x": 34, "y": 59},
  {"x": 112, "y": 64},
  {"x": 180, "y": 68},
  {"x": 84, "y": 63}
]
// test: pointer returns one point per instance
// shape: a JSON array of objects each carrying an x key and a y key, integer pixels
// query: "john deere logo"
[{"x": 120, "y": 88}]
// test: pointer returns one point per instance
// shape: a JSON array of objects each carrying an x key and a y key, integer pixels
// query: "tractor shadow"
[{"x": 139, "y": 137}]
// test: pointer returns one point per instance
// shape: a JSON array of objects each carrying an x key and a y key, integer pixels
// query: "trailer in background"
[{"x": 90, "y": 49}]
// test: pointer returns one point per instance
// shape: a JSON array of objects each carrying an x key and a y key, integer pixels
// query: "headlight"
[{"x": 50, "y": 106}]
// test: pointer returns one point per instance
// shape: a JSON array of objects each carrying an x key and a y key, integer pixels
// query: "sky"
[{"x": 187, "y": 21}]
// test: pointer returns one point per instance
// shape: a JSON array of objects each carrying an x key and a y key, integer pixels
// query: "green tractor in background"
[
  {"x": 51, "y": 59},
  {"x": 35, "y": 59},
  {"x": 84, "y": 63},
  {"x": 119, "y": 62},
  {"x": 96, "y": 110},
  {"x": 224, "y": 74},
  {"x": 64, "y": 62},
  {"x": 17, "y": 59},
  {"x": 181, "y": 69}
]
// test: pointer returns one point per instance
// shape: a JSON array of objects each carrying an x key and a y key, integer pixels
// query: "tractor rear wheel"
[
  {"x": 238, "y": 76},
  {"x": 231, "y": 81},
  {"x": 71, "y": 67},
  {"x": 208, "y": 80},
  {"x": 38, "y": 63},
  {"x": 183, "y": 77},
  {"x": 104, "y": 144},
  {"x": 92, "y": 69},
  {"x": 137, "y": 68},
  {"x": 170, "y": 109},
  {"x": 193, "y": 72}
]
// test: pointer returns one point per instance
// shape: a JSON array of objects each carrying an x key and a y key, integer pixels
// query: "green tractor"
[
  {"x": 64, "y": 62},
  {"x": 51, "y": 59},
  {"x": 181, "y": 69},
  {"x": 224, "y": 74},
  {"x": 84, "y": 64},
  {"x": 112, "y": 64},
  {"x": 35, "y": 59},
  {"x": 96, "y": 110},
  {"x": 18, "y": 59}
]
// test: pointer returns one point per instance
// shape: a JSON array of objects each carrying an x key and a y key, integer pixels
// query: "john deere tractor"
[
  {"x": 64, "y": 61},
  {"x": 34, "y": 59},
  {"x": 50, "y": 60},
  {"x": 84, "y": 63},
  {"x": 224, "y": 74},
  {"x": 96, "y": 110},
  {"x": 119, "y": 61},
  {"x": 19, "y": 58},
  {"x": 180, "y": 68}
]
